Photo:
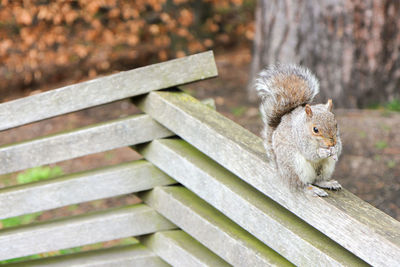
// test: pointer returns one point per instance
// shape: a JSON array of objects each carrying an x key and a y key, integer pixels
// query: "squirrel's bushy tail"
[{"x": 282, "y": 88}]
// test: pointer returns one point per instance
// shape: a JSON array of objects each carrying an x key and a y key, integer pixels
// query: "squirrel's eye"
[{"x": 315, "y": 129}]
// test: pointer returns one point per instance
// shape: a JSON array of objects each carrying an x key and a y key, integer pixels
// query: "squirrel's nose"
[{"x": 330, "y": 142}]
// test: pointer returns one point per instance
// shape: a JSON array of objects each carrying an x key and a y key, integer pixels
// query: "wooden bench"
[{"x": 210, "y": 197}]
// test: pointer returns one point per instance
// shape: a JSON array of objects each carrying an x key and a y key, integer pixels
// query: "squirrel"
[{"x": 302, "y": 139}]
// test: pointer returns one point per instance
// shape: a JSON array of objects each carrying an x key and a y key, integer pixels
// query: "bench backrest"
[{"x": 210, "y": 196}]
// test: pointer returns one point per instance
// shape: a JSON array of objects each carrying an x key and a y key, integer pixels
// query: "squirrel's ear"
[
  {"x": 308, "y": 110},
  {"x": 329, "y": 105}
]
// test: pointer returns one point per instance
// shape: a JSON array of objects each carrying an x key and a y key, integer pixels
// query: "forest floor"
[{"x": 369, "y": 166}]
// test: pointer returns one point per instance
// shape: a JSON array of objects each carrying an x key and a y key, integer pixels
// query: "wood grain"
[
  {"x": 180, "y": 249},
  {"x": 211, "y": 228},
  {"x": 81, "y": 187},
  {"x": 362, "y": 229},
  {"x": 132, "y": 255},
  {"x": 92, "y": 139},
  {"x": 107, "y": 89},
  {"x": 81, "y": 230},
  {"x": 276, "y": 227}
]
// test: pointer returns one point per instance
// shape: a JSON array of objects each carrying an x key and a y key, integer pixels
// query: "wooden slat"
[
  {"x": 107, "y": 89},
  {"x": 134, "y": 255},
  {"x": 211, "y": 228},
  {"x": 362, "y": 229},
  {"x": 81, "y": 230},
  {"x": 180, "y": 249},
  {"x": 81, "y": 187},
  {"x": 98, "y": 138},
  {"x": 282, "y": 231}
]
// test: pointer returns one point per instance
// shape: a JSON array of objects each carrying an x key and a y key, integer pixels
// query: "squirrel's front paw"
[
  {"x": 324, "y": 152},
  {"x": 315, "y": 191},
  {"x": 334, "y": 154}
]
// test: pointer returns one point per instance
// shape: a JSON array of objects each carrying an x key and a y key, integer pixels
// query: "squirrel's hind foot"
[
  {"x": 331, "y": 184},
  {"x": 315, "y": 191}
]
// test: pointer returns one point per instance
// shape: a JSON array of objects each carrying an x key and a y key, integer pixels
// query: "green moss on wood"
[{"x": 211, "y": 214}]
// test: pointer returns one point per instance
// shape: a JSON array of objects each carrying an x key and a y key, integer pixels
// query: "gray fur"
[
  {"x": 302, "y": 157},
  {"x": 273, "y": 96}
]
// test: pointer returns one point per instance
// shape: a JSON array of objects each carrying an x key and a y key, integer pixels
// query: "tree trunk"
[{"x": 351, "y": 45}]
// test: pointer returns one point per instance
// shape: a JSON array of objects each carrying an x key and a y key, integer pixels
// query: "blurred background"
[
  {"x": 351, "y": 45},
  {"x": 44, "y": 42}
]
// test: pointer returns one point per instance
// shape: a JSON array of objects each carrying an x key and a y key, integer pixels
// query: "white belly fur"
[{"x": 306, "y": 170}]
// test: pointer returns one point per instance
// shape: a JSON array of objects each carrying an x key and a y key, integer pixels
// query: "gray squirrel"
[{"x": 302, "y": 139}]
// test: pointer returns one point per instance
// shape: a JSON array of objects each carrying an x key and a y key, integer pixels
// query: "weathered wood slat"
[
  {"x": 81, "y": 230},
  {"x": 180, "y": 249},
  {"x": 133, "y": 255},
  {"x": 343, "y": 217},
  {"x": 282, "y": 231},
  {"x": 107, "y": 89},
  {"x": 211, "y": 228},
  {"x": 97, "y": 138},
  {"x": 81, "y": 187}
]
